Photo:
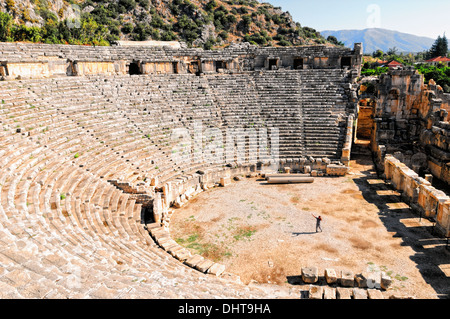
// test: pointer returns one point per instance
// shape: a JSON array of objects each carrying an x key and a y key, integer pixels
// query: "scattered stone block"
[
  {"x": 216, "y": 269},
  {"x": 358, "y": 293},
  {"x": 386, "y": 281},
  {"x": 373, "y": 280},
  {"x": 374, "y": 294},
  {"x": 330, "y": 276},
  {"x": 347, "y": 279},
  {"x": 329, "y": 293},
  {"x": 336, "y": 170},
  {"x": 361, "y": 280},
  {"x": 343, "y": 293},
  {"x": 310, "y": 275},
  {"x": 315, "y": 292}
]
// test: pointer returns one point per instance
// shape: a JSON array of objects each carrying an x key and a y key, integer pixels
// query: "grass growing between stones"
[
  {"x": 195, "y": 242},
  {"x": 398, "y": 279}
]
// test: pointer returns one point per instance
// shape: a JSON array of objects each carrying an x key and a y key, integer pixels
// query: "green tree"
[
  {"x": 378, "y": 54},
  {"x": 439, "y": 47},
  {"x": 332, "y": 39},
  {"x": 5, "y": 26},
  {"x": 392, "y": 51}
]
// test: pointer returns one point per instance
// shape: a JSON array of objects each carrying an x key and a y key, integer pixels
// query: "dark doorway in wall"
[
  {"x": 220, "y": 65},
  {"x": 298, "y": 64},
  {"x": 134, "y": 68},
  {"x": 147, "y": 215},
  {"x": 175, "y": 67},
  {"x": 346, "y": 62},
  {"x": 273, "y": 64}
]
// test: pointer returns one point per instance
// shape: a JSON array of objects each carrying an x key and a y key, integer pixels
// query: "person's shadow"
[{"x": 304, "y": 233}]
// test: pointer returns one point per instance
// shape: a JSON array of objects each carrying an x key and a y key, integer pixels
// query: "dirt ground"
[{"x": 266, "y": 233}]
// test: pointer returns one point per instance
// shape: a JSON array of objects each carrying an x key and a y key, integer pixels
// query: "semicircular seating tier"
[{"x": 81, "y": 155}]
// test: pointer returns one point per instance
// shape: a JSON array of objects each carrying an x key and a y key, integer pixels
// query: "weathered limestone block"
[
  {"x": 315, "y": 292},
  {"x": 310, "y": 275},
  {"x": 443, "y": 218},
  {"x": 225, "y": 181},
  {"x": 330, "y": 276},
  {"x": 343, "y": 293},
  {"x": 374, "y": 294},
  {"x": 194, "y": 260},
  {"x": 336, "y": 170},
  {"x": 94, "y": 68},
  {"x": 386, "y": 281},
  {"x": 329, "y": 293},
  {"x": 216, "y": 269},
  {"x": 361, "y": 280},
  {"x": 28, "y": 70},
  {"x": 182, "y": 254},
  {"x": 359, "y": 293},
  {"x": 347, "y": 279},
  {"x": 168, "y": 244},
  {"x": 204, "y": 265},
  {"x": 373, "y": 280}
]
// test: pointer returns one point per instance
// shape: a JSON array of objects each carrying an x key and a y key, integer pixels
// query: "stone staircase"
[{"x": 324, "y": 112}]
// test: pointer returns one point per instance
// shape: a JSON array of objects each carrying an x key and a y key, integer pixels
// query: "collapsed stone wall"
[{"x": 411, "y": 123}]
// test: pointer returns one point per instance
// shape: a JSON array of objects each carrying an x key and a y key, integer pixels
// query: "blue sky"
[{"x": 423, "y": 18}]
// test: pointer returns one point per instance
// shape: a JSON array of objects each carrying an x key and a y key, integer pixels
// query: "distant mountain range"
[{"x": 381, "y": 39}]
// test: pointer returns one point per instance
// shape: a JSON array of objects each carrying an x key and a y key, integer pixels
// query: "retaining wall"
[{"x": 423, "y": 197}]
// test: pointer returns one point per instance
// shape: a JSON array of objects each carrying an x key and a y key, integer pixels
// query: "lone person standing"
[{"x": 318, "y": 220}]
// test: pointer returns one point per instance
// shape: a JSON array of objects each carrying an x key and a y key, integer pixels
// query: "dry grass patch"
[
  {"x": 274, "y": 275},
  {"x": 295, "y": 199},
  {"x": 326, "y": 248},
  {"x": 368, "y": 223},
  {"x": 360, "y": 243}
]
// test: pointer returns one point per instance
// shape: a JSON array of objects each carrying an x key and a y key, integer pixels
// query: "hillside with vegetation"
[{"x": 207, "y": 24}]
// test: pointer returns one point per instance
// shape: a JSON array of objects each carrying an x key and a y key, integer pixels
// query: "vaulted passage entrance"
[
  {"x": 346, "y": 62},
  {"x": 134, "y": 68},
  {"x": 298, "y": 64}
]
